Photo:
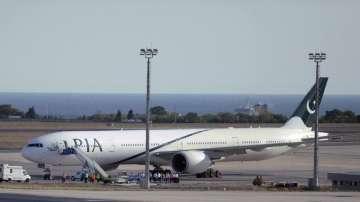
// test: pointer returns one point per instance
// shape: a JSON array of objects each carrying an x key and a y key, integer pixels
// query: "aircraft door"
[
  {"x": 58, "y": 146},
  {"x": 180, "y": 145},
  {"x": 112, "y": 148},
  {"x": 235, "y": 141}
]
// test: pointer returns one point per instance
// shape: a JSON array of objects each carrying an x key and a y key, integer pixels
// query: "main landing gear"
[{"x": 209, "y": 173}]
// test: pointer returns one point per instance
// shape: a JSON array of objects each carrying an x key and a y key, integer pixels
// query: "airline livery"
[{"x": 185, "y": 150}]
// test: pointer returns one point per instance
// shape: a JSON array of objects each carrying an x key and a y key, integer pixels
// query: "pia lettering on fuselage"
[{"x": 91, "y": 146}]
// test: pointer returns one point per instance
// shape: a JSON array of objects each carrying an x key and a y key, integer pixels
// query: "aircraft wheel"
[
  {"x": 211, "y": 173},
  {"x": 218, "y": 174}
]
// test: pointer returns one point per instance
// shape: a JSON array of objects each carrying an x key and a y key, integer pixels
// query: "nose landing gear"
[{"x": 47, "y": 174}]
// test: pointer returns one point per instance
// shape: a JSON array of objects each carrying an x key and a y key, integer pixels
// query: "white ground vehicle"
[
  {"x": 122, "y": 178},
  {"x": 13, "y": 173},
  {"x": 79, "y": 175}
]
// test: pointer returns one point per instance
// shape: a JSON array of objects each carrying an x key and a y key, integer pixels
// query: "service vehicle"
[
  {"x": 78, "y": 176},
  {"x": 13, "y": 173}
]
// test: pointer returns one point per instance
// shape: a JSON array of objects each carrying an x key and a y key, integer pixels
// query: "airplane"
[{"x": 191, "y": 151}]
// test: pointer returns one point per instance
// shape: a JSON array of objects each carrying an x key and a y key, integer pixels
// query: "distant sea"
[{"x": 71, "y": 105}]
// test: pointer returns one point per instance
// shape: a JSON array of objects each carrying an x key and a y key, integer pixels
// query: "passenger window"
[{"x": 10, "y": 170}]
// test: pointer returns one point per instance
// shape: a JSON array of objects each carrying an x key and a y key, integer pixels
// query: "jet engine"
[{"x": 191, "y": 162}]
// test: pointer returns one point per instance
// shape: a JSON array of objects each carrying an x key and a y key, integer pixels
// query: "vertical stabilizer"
[{"x": 306, "y": 109}]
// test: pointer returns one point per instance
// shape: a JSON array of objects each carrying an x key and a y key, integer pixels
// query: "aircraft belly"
[
  {"x": 252, "y": 155},
  {"x": 64, "y": 160},
  {"x": 102, "y": 158}
]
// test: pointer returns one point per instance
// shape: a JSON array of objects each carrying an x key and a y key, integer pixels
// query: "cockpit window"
[{"x": 35, "y": 145}]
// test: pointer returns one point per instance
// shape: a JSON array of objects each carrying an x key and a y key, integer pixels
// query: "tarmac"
[
  {"x": 296, "y": 166},
  {"x": 176, "y": 196},
  {"x": 19, "y": 197}
]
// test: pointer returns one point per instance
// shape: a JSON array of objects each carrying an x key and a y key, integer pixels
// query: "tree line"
[
  {"x": 7, "y": 111},
  {"x": 338, "y": 116},
  {"x": 159, "y": 114}
]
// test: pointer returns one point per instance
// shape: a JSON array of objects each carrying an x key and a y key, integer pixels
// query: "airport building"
[
  {"x": 345, "y": 181},
  {"x": 253, "y": 110}
]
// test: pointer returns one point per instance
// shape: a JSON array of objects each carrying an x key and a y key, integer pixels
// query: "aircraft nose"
[{"x": 25, "y": 152}]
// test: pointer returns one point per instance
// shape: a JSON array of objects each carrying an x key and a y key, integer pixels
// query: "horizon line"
[{"x": 120, "y": 93}]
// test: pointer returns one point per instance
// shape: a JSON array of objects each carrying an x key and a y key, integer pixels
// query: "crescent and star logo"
[{"x": 310, "y": 109}]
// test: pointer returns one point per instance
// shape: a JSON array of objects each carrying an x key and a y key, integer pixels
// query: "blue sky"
[{"x": 205, "y": 46}]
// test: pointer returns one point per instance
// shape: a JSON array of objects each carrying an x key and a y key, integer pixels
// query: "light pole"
[
  {"x": 317, "y": 58},
  {"x": 148, "y": 54}
]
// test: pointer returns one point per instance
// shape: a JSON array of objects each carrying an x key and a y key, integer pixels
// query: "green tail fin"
[{"x": 306, "y": 109}]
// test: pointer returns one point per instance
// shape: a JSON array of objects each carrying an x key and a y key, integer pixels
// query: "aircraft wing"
[{"x": 220, "y": 152}]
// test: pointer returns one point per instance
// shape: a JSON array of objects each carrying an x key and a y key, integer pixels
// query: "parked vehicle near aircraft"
[
  {"x": 13, "y": 173},
  {"x": 78, "y": 176}
]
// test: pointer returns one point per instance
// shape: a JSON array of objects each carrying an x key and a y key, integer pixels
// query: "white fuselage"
[
  {"x": 186, "y": 150},
  {"x": 128, "y": 146}
]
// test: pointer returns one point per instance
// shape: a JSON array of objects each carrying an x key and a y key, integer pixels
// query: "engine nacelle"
[{"x": 190, "y": 162}]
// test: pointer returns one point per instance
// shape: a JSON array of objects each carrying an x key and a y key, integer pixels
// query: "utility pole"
[
  {"x": 148, "y": 54},
  {"x": 317, "y": 58}
]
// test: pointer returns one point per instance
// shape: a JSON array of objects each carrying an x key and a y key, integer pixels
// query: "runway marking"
[{"x": 343, "y": 196}]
